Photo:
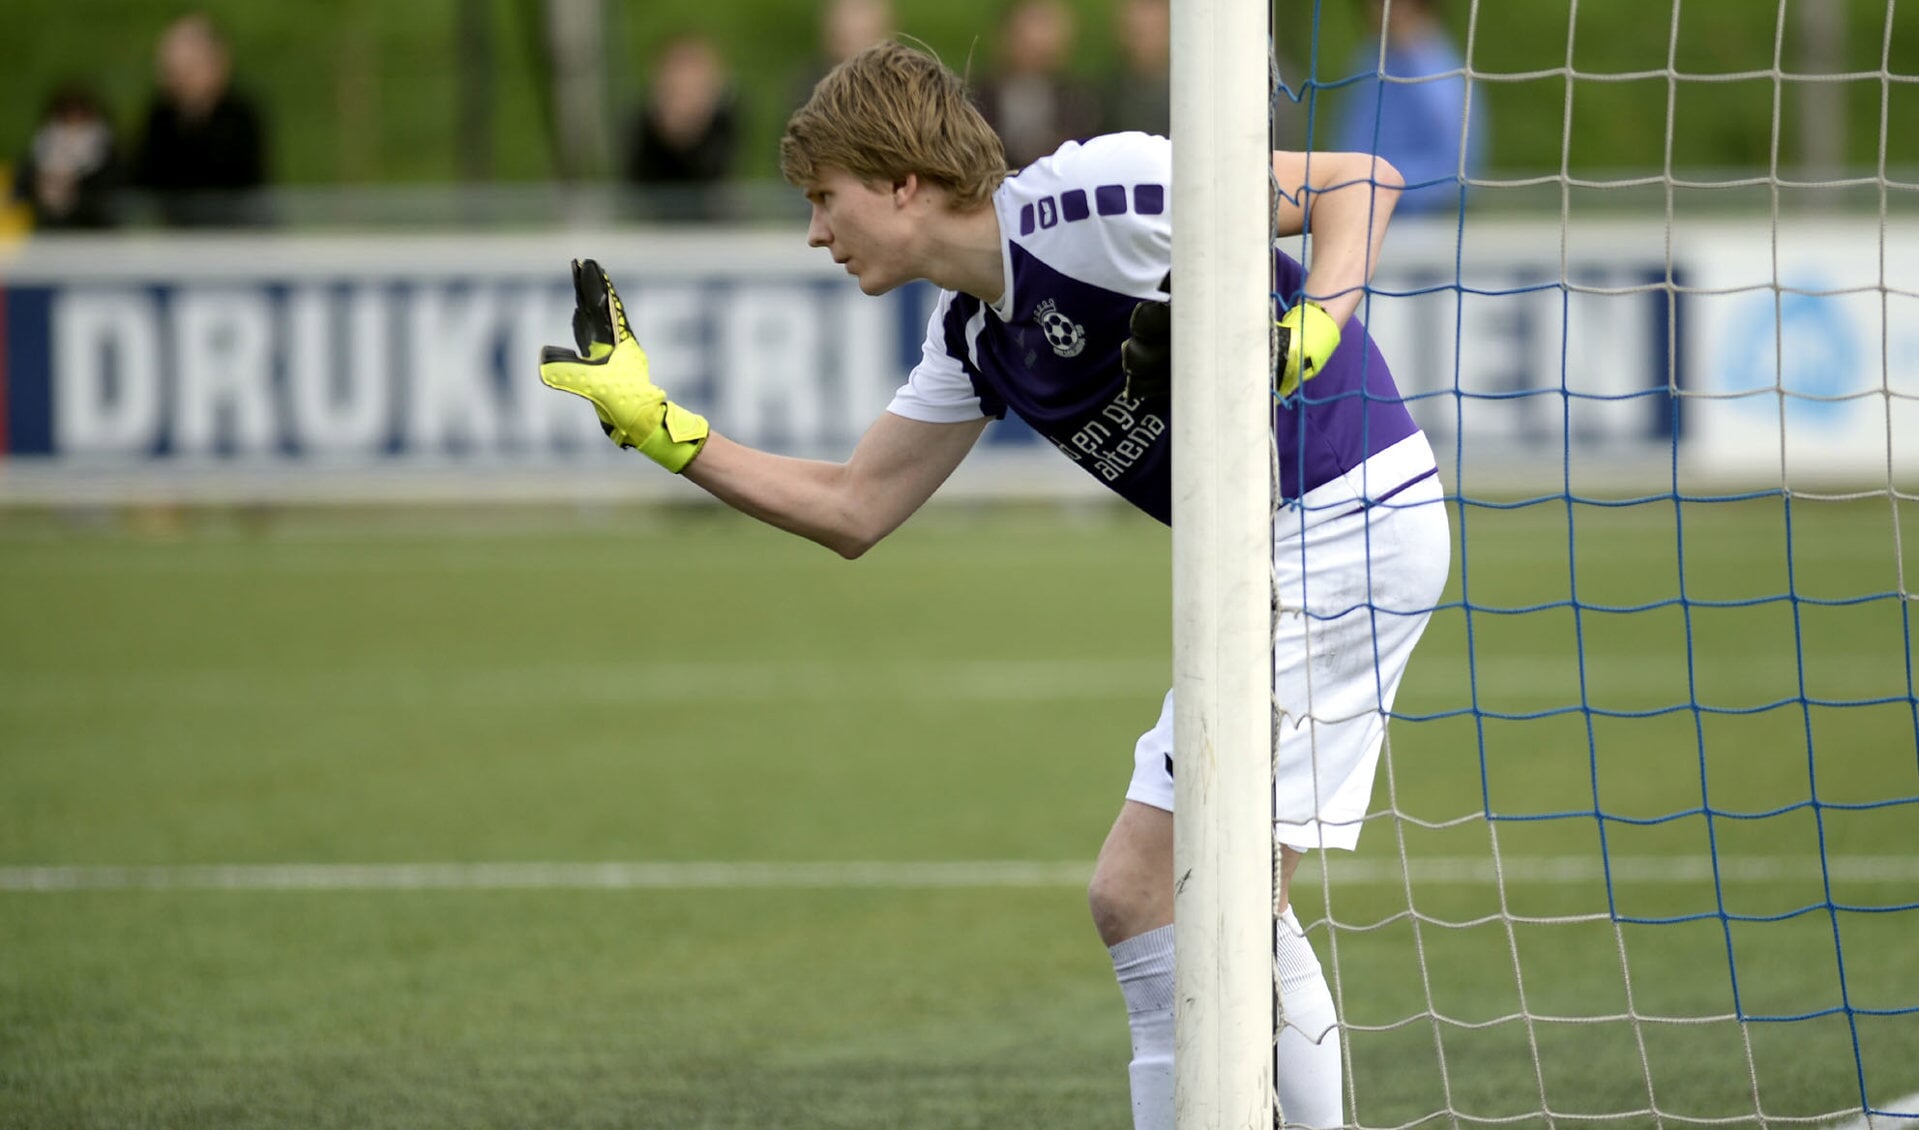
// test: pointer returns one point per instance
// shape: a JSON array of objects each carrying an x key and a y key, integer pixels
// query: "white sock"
[
  {"x": 1308, "y": 1071},
  {"x": 1307, "y": 1068},
  {"x": 1144, "y": 966}
]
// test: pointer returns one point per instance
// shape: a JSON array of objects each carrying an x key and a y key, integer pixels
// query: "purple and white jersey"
[{"x": 1085, "y": 235}]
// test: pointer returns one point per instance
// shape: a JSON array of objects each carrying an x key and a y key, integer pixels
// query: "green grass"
[{"x": 683, "y": 686}]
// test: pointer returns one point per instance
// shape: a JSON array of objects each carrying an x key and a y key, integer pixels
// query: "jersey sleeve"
[
  {"x": 939, "y": 390},
  {"x": 1100, "y": 210}
]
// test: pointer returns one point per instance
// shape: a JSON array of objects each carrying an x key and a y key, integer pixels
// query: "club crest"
[{"x": 1066, "y": 336}]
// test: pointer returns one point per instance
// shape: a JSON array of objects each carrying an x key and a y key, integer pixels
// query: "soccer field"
[{"x": 300, "y": 814}]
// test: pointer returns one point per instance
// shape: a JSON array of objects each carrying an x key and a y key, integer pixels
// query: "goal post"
[{"x": 1222, "y": 575}]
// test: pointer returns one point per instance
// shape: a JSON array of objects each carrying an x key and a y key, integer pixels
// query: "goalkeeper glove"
[
  {"x": 1147, "y": 354},
  {"x": 1305, "y": 338},
  {"x": 610, "y": 370}
]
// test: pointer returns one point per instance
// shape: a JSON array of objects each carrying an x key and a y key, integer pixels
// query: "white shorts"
[{"x": 1356, "y": 582}]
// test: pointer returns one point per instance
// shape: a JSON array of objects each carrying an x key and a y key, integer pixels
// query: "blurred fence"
[{"x": 256, "y": 366}]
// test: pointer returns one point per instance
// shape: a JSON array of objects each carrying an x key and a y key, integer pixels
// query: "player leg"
[
  {"x": 1132, "y": 903},
  {"x": 1375, "y": 578},
  {"x": 1308, "y": 1067},
  {"x": 1356, "y": 588},
  {"x": 1131, "y": 897}
]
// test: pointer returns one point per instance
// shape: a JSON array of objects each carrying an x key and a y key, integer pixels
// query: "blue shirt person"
[{"x": 1422, "y": 125}]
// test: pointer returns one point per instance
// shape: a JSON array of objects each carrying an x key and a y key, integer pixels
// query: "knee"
[
  {"x": 1126, "y": 905},
  {"x": 1132, "y": 887}
]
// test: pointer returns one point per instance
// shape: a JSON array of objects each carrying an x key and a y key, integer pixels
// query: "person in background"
[
  {"x": 1421, "y": 127},
  {"x": 203, "y": 151},
  {"x": 847, "y": 27},
  {"x": 1031, "y": 102},
  {"x": 685, "y": 139},
  {"x": 69, "y": 172},
  {"x": 1139, "y": 94}
]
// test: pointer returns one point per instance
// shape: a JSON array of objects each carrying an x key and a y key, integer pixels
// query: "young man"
[{"x": 1050, "y": 276}]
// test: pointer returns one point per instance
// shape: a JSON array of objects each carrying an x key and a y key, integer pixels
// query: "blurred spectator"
[
  {"x": 1031, "y": 100},
  {"x": 1139, "y": 96},
  {"x": 686, "y": 136},
  {"x": 1418, "y": 126},
  {"x": 204, "y": 150},
  {"x": 67, "y": 175},
  {"x": 847, "y": 27}
]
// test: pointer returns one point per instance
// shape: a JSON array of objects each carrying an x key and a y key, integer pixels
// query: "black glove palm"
[{"x": 1147, "y": 354}]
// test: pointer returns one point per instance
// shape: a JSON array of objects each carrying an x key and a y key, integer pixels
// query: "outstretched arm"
[
  {"x": 846, "y": 507},
  {"x": 1348, "y": 199}
]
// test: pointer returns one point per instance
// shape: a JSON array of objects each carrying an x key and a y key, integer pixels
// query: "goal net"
[{"x": 1643, "y": 848}]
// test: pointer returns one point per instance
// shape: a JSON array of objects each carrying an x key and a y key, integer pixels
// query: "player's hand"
[
  {"x": 1147, "y": 354},
  {"x": 1306, "y": 337},
  {"x": 610, "y": 370}
]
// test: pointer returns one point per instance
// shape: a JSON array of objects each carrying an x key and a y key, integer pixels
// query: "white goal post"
[{"x": 1222, "y": 575}]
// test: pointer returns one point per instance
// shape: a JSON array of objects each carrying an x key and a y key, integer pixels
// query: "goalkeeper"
[{"x": 1055, "y": 283}]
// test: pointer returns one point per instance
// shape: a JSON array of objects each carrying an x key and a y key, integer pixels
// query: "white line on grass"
[
  {"x": 544, "y": 876},
  {"x": 1550, "y": 679},
  {"x": 1899, "y": 1114},
  {"x": 615, "y": 683},
  {"x": 697, "y": 876}
]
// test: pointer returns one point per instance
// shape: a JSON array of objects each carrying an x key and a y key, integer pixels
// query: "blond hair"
[{"x": 892, "y": 110}]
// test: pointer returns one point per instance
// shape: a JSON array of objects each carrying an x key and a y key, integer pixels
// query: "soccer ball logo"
[{"x": 1066, "y": 336}]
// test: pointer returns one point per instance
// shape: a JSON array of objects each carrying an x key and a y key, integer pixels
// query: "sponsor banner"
[
  {"x": 1806, "y": 354},
  {"x": 1528, "y": 357},
  {"x": 1608, "y": 356},
  {"x": 336, "y": 353},
  {"x": 1530, "y": 353}
]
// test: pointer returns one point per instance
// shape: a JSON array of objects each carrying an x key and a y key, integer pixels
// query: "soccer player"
[{"x": 1054, "y": 283}]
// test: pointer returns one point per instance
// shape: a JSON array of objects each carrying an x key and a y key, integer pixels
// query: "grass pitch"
[{"x": 686, "y": 688}]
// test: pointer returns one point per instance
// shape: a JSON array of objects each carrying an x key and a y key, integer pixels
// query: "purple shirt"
[{"x": 1086, "y": 234}]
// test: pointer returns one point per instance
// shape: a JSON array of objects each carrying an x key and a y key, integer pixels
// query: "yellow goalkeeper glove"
[
  {"x": 610, "y": 370},
  {"x": 1307, "y": 337}
]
